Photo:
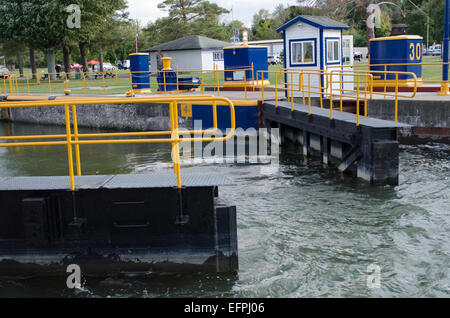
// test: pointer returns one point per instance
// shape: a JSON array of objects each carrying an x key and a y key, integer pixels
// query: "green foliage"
[{"x": 186, "y": 17}]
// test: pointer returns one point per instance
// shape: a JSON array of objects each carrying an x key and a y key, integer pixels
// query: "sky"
[{"x": 243, "y": 10}]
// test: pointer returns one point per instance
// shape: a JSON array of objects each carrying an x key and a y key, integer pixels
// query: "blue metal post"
[{"x": 444, "y": 85}]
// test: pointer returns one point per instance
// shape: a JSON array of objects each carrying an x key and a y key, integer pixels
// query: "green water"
[{"x": 304, "y": 231}]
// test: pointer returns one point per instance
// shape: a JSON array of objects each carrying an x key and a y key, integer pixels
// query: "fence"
[{"x": 73, "y": 139}]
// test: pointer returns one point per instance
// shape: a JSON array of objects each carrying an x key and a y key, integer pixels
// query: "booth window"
[
  {"x": 333, "y": 51},
  {"x": 218, "y": 56},
  {"x": 302, "y": 52}
]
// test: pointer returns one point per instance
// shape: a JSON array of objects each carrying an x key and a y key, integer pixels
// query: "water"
[{"x": 304, "y": 231}]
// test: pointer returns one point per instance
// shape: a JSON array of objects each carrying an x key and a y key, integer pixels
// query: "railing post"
[
  {"x": 276, "y": 90},
  {"x": 245, "y": 84},
  {"x": 385, "y": 80},
  {"x": 202, "y": 82},
  {"x": 175, "y": 142},
  {"x": 69, "y": 147},
  {"x": 396, "y": 97},
  {"x": 309, "y": 92},
  {"x": 178, "y": 91},
  {"x": 77, "y": 146},
  {"x": 292, "y": 91},
  {"x": 357, "y": 100},
  {"x": 49, "y": 83},
  {"x": 331, "y": 95},
  {"x": 341, "y": 91},
  {"x": 262, "y": 84},
  {"x": 165, "y": 84},
  {"x": 365, "y": 95},
  {"x": 303, "y": 88},
  {"x": 103, "y": 83},
  {"x": 84, "y": 83}
]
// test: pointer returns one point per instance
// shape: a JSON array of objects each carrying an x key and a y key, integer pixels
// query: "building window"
[
  {"x": 217, "y": 56},
  {"x": 333, "y": 51},
  {"x": 302, "y": 52}
]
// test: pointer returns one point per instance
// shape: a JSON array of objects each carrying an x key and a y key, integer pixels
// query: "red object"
[
  {"x": 76, "y": 67},
  {"x": 93, "y": 62}
]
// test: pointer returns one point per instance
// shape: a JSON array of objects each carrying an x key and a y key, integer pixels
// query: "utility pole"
[
  {"x": 428, "y": 20},
  {"x": 444, "y": 85}
]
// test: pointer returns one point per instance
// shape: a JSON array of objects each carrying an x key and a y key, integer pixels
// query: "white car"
[
  {"x": 273, "y": 60},
  {"x": 436, "y": 51},
  {"x": 4, "y": 72},
  {"x": 107, "y": 67}
]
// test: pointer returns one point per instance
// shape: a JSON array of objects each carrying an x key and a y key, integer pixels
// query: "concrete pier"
[
  {"x": 116, "y": 224},
  {"x": 370, "y": 150}
]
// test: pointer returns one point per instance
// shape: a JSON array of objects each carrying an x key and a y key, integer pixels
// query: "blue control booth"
[
  {"x": 239, "y": 62},
  {"x": 140, "y": 72},
  {"x": 401, "y": 53}
]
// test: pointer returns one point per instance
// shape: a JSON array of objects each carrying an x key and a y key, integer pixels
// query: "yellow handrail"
[
  {"x": 332, "y": 84},
  {"x": 70, "y": 139}
]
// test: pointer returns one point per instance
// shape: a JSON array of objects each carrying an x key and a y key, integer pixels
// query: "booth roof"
[
  {"x": 320, "y": 22},
  {"x": 193, "y": 42}
]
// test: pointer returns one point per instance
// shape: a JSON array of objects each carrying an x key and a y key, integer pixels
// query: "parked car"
[
  {"x": 107, "y": 67},
  {"x": 273, "y": 60},
  {"x": 436, "y": 51},
  {"x": 4, "y": 72},
  {"x": 123, "y": 65},
  {"x": 357, "y": 56}
]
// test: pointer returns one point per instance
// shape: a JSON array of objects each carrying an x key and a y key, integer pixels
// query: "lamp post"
[
  {"x": 444, "y": 84},
  {"x": 428, "y": 20}
]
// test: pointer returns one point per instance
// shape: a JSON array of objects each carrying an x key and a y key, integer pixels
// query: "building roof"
[
  {"x": 320, "y": 22},
  {"x": 193, "y": 42}
]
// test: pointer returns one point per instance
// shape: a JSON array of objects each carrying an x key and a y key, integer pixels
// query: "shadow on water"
[{"x": 151, "y": 285}]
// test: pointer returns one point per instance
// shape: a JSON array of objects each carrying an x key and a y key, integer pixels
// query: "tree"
[
  {"x": 37, "y": 23},
  {"x": 186, "y": 17},
  {"x": 95, "y": 16},
  {"x": 263, "y": 27}
]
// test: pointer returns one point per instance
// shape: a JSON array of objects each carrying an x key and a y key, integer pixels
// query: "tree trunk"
[
  {"x": 101, "y": 59},
  {"x": 51, "y": 63},
  {"x": 83, "y": 53},
  {"x": 66, "y": 54},
  {"x": 33, "y": 64},
  {"x": 20, "y": 62}
]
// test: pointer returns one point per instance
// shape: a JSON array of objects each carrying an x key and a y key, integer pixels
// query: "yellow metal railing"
[
  {"x": 335, "y": 84},
  {"x": 213, "y": 79},
  {"x": 50, "y": 83},
  {"x": 390, "y": 67},
  {"x": 73, "y": 139}
]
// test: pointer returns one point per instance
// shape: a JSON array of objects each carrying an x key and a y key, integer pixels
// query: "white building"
[
  {"x": 190, "y": 53},
  {"x": 274, "y": 47},
  {"x": 312, "y": 43}
]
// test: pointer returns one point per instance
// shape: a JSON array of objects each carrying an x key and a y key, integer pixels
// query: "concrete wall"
[
  {"x": 138, "y": 117},
  {"x": 429, "y": 119}
]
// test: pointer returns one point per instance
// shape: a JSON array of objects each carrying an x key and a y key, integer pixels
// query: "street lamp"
[{"x": 428, "y": 20}]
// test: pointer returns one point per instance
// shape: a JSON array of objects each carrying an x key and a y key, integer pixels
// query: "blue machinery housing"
[{"x": 396, "y": 54}]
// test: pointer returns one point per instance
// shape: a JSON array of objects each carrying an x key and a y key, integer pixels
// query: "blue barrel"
[
  {"x": 170, "y": 81},
  {"x": 140, "y": 72},
  {"x": 404, "y": 49}
]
